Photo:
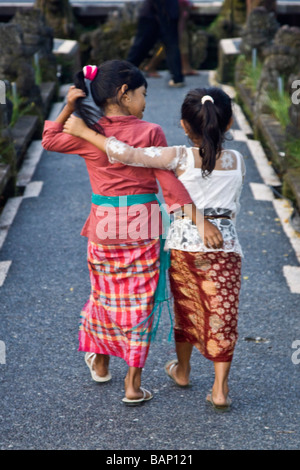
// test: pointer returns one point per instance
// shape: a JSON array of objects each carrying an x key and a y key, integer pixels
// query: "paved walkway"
[{"x": 48, "y": 400}]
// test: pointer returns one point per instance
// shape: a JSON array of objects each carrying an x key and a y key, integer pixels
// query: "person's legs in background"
[
  {"x": 149, "y": 31},
  {"x": 169, "y": 37},
  {"x": 145, "y": 39}
]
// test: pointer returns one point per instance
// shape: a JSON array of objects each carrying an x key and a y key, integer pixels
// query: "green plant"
[
  {"x": 7, "y": 152},
  {"x": 18, "y": 107},
  {"x": 293, "y": 152},
  {"x": 14, "y": 98},
  {"x": 279, "y": 104},
  {"x": 250, "y": 73}
]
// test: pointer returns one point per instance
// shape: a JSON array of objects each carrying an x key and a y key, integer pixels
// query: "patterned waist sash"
[{"x": 161, "y": 292}]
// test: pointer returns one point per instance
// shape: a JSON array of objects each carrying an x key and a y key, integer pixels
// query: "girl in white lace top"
[
  {"x": 205, "y": 282},
  {"x": 216, "y": 196}
]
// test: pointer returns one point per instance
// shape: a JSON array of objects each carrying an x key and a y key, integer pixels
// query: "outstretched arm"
[
  {"x": 166, "y": 158},
  {"x": 120, "y": 152}
]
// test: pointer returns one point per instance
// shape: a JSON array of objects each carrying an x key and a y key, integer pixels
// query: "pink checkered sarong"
[{"x": 123, "y": 283}]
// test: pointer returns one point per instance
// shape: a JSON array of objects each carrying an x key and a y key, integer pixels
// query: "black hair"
[
  {"x": 209, "y": 121},
  {"x": 111, "y": 75}
]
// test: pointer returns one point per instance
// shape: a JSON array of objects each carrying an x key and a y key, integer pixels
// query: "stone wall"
[
  {"x": 59, "y": 16},
  {"x": 28, "y": 70}
]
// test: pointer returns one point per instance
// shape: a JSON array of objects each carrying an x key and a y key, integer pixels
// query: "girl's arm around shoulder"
[
  {"x": 154, "y": 152},
  {"x": 177, "y": 198},
  {"x": 175, "y": 194},
  {"x": 54, "y": 139},
  {"x": 155, "y": 155},
  {"x": 150, "y": 157}
]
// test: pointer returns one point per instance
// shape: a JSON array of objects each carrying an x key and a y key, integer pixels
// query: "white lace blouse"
[{"x": 215, "y": 195}]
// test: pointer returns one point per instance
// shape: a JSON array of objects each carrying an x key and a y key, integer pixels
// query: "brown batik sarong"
[{"x": 206, "y": 290}]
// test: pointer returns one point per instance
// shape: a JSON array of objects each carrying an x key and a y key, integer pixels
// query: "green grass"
[
  {"x": 293, "y": 153},
  {"x": 279, "y": 105},
  {"x": 19, "y": 109},
  {"x": 251, "y": 74}
]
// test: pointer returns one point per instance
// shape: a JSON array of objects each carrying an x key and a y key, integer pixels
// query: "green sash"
[{"x": 161, "y": 292}]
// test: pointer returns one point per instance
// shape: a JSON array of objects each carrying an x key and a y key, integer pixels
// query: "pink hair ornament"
[{"x": 90, "y": 71}]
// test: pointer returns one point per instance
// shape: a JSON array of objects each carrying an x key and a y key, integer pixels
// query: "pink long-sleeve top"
[{"x": 110, "y": 225}]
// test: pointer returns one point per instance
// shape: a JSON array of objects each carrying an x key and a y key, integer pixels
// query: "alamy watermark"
[
  {"x": 2, "y": 92},
  {"x": 139, "y": 221},
  {"x": 2, "y": 353},
  {"x": 296, "y": 94},
  {"x": 296, "y": 354}
]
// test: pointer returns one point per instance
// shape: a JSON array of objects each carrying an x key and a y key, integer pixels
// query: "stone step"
[
  {"x": 23, "y": 133},
  {"x": 48, "y": 92}
]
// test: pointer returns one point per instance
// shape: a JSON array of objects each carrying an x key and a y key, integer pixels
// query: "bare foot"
[
  {"x": 219, "y": 401},
  {"x": 181, "y": 378},
  {"x": 98, "y": 365},
  {"x": 138, "y": 394},
  {"x": 135, "y": 391}
]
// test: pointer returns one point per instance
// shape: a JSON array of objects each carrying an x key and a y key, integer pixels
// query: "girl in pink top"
[{"x": 123, "y": 243}]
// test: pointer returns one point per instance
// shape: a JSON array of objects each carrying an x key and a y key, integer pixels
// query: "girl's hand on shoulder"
[
  {"x": 73, "y": 95},
  {"x": 74, "y": 126}
]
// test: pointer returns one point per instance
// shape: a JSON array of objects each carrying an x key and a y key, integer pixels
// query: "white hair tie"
[{"x": 206, "y": 98}]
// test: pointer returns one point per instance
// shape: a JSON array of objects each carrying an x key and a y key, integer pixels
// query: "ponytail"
[
  {"x": 86, "y": 108},
  {"x": 207, "y": 112},
  {"x": 211, "y": 138}
]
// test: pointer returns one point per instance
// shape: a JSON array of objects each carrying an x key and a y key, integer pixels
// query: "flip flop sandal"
[
  {"x": 168, "y": 370},
  {"x": 219, "y": 408},
  {"x": 138, "y": 401},
  {"x": 95, "y": 377}
]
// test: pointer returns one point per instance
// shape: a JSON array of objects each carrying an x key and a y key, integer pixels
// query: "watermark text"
[
  {"x": 296, "y": 93},
  {"x": 2, "y": 353},
  {"x": 139, "y": 221},
  {"x": 296, "y": 354},
  {"x": 2, "y": 92}
]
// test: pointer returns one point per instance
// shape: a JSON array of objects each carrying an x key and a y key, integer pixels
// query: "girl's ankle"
[{"x": 101, "y": 364}]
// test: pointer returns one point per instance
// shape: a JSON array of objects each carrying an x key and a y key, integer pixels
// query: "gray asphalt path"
[{"x": 48, "y": 400}]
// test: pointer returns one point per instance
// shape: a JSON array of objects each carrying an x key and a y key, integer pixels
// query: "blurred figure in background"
[
  {"x": 184, "y": 13},
  {"x": 158, "y": 20}
]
